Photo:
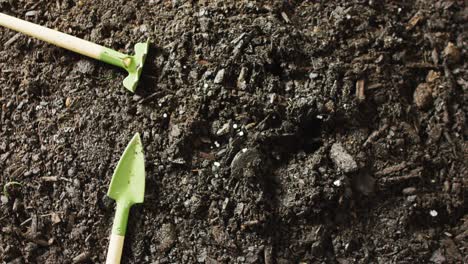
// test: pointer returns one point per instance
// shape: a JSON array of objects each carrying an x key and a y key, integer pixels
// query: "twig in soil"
[
  {"x": 249, "y": 224},
  {"x": 49, "y": 178},
  {"x": 17, "y": 172},
  {"x": 11, "y": 40},
  {"x": 17, "y": 231},
  {"x": 416, "y": 173},
  {"x": 360, "y": 86},
  {"x": 155, "y": 94},
  {"x": 26, "y": 221},
  {"x": 44, "y": 215},
  {"x": 150, "y": 97},
  {"x": 375, "y": 134},
  {"x": 83, "y": 257},
  {"x": 5, "y": 187},
  {"x": 392, "y": 169}
]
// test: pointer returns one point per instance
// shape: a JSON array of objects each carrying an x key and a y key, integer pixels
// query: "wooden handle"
[
  {"x": 114, "y": 252},
  {"x": 55, "y": 37}
]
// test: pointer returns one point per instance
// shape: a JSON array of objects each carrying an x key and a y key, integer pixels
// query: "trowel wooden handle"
[
  {"x": 55, "y": 37},
  {"x": 114, "y": 253}
]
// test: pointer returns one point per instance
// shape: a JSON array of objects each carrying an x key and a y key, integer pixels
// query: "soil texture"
[{"x": 274, "y": 132}]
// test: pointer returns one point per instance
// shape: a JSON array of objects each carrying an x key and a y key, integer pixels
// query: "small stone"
[
  {"x": 239, "y": 209},
  {"x": 250, "y": 160},
  {"x": 55, "y": 218},
  {"x": 68, "y": 102},
  {"x": 337, "y": 183},
  {"x": 76, "y": 183},
  {"x": 423, "y": 96},
  {"x": 414, "y": 20},
  {"x": 31, "y": 13},
  {"x": 225, "y": 204},
  {"x": 176, "y": 3},
  {"x": 143, "y": 28},
  {"x": 437, "y": 257},
  {"x": 35, "y": 157},
  {"x": 4, "y": 199},
  {"x": 452, "y": 53},
  {"x": 167, "y": 237},
  {"x": 432, "y": 76},
  {"x": 223, "y": 130},
  {"x": 71, "y": 172},
  {"x": 409, "y": 190},
  {"x": 84, "y": 66},
  {"x": 342, "y": 159},
  {"x": 268, "y": 255},
  {"x": 175, "y": 131},
  {"x": 411, "y": 198},
  {"x": 219, "y": 76},
  {"x": 241, "y": 81},
  {"x": 313, "y": 75},
  {"x": 202, "y": 256}
]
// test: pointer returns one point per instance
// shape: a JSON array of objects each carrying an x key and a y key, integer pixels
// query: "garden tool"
[
  {"x": 127, "y": 187},
  {"x": 132, "y": 64}
]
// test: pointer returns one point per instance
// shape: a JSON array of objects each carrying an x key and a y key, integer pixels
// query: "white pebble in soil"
[
  {"x": 433, "y": 213},
  {"x": 3, "y": 199},
  {"x": 217, "y": 164}
]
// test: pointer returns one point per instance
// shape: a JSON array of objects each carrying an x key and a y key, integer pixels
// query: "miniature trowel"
[
  {"x": 132, "y": 64},
  {"x": 127, "y": 188}
]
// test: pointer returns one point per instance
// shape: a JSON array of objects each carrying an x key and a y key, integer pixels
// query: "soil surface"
[{"x": 274, "y": 132}]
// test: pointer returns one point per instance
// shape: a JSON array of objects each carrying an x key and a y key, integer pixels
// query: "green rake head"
[
  {"x": 136, "y": 66},
  {"x": 132, "y": 64}
]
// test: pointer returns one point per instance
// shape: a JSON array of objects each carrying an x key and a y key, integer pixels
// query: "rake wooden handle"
[
  {"x": 114, "y": 253},
  {"x": 55, "y": 37}
]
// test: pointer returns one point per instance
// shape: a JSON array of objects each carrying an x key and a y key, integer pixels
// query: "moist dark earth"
[{"x": 273, "y": 131}]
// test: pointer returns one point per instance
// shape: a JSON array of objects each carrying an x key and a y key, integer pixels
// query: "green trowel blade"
[{"x": 128, "y": 182}]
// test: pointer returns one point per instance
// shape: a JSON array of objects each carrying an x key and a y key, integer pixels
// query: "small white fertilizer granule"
[
  {"x": 337, "y": 183},
  {"x": 433, "y": 213},
  {"x": 165, "y": 115},
  {"x": 241, "y": 133},
  {"x": 217, "y": 164}
]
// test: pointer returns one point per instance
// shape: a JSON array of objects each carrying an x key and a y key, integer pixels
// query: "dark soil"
[{"x": 285, "y": 132}]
